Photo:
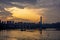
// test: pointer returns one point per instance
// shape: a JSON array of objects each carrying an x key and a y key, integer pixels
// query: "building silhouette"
[
  {"x": 40, "y": 25},
  {"x": 25, "y": 25}
]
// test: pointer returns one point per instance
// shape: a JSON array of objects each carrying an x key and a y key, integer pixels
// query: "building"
[{"x": 40, "y": 25}]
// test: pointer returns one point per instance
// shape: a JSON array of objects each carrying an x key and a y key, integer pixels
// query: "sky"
[{"x": 30, "y": 10}]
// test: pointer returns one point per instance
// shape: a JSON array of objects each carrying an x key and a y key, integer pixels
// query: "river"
[{"x": 29, "y": 35}]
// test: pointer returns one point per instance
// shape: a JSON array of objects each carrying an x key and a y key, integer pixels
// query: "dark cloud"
[
  {"x": 48, "y": 3},
  {"x": 52, "y": 15},
  {"x": 38, "y": 3},
  {"x": 9, "y": 4},
  {"x": 4, "y": 13},
  {"x": 17, "y": 2},
  {"x": 20, "y": 0},
  {"x": 53, "y": 9}
]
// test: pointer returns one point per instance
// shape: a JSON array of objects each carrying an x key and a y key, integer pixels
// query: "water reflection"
[{"x": 27, "y": 35}]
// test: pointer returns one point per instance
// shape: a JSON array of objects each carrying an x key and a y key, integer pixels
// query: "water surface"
[{"x": 29, "y": 35}]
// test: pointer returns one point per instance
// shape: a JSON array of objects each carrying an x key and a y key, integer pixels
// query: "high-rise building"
[
  {"x": 40, "y": 25},
  {"x": 40, "y": 20}
]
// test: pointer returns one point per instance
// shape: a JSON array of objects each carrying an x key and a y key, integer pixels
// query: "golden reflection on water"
[
  {"x": 28, "y": 35},
  {"x": 19, "y": 35},
  {"x": 24, "y": 34}
]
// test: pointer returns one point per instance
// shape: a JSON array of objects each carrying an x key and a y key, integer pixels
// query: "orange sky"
[{"x": 26, "y": 13}]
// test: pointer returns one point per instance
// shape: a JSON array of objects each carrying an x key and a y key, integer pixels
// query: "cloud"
[
  {"x": 52, "y": 13},
  {"x": 48, "y": 3},
  {"x": 19, "y": 3},
  {"x": 34, "y": 3},
  {"x": 4, "y": 13},
  {"x": 50, "y": 8}
]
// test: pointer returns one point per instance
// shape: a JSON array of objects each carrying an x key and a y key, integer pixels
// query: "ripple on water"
[{"x": 24, "y": 35}]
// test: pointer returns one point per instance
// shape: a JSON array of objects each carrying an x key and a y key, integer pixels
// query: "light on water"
[{"x": 28, "y": 35}]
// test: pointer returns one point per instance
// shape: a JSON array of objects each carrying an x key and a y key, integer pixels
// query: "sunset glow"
[
  {"x": 26, "y": 13},
  {"x": 29, "y": 19}
]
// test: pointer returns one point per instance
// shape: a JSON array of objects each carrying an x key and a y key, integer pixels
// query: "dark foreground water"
[{"x": 29, "y": 35}]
